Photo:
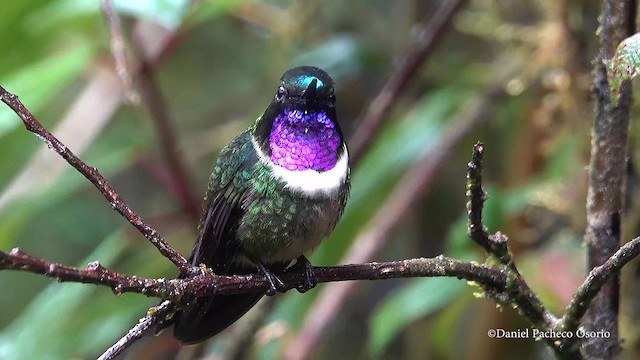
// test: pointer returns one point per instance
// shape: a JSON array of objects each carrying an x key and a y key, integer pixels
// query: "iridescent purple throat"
[{"x": 303, "y": 141}]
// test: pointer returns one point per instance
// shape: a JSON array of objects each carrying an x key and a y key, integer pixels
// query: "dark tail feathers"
[{"x": 209, "y": 316}]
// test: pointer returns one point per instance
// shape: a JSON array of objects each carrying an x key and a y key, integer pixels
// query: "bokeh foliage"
[{"x": 217, "y": 77}]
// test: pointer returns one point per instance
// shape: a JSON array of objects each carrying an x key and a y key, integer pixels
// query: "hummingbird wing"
[
  {"x": 228, "y": 186},
  {"x": 217, "y": 245}
]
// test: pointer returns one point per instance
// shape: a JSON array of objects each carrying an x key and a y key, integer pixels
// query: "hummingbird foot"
[
  {"x": 310, "y": 279},
  {"x": 275, "y": 284}
]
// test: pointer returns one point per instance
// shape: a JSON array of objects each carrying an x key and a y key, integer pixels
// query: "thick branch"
[
  {"x": 93, "y": 175},
  {"x": 94, "y": 273},
  {"x": 210, "y": 284},
  {"x": 607, "y": 177}
]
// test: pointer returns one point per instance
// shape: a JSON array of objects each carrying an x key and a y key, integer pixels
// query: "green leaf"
[
  {"x": 624, "y": 65},
  {"x": 415, "y": 300}
]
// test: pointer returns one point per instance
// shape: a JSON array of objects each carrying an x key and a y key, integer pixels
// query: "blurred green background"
[{"x": 216, "y": 65}]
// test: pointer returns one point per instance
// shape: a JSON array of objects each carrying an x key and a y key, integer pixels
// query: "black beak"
[{"x": 310, "y": 93}]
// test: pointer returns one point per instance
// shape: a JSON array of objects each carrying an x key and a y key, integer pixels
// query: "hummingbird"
[{"x": 276, "y": 191}]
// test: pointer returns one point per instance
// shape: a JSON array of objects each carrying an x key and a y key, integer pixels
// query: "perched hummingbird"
[{"x": 277, "y": 190}]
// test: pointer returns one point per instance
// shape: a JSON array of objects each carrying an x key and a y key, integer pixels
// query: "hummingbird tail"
[
  {"x": 207, "y": 316},
  {"x": 211, "y": 315}
]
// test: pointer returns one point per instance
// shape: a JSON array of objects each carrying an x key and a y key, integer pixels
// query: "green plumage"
[
  {"x": 277, "y": 221},
  {"x": 253, "y": 218}
]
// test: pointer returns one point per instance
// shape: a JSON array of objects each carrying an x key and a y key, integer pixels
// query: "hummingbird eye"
[
  {"x": 332, "y": 99},
  {"x": 280, "y": 93}
]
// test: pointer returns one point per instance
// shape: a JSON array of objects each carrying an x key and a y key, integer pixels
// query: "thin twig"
[
  {"x": 427, "y": 37},
  {"x": 598, "y": 276},
  {"x": 117, "y": 48},
  {"x": 439, "y": 266},
  {"x": 476, "y": 230},
  {"x": 607, "y": 172},
  {"x": 93, "y": 175},
  {"x": 145, "y": 325},
  {"x": 521, "y": 294}
]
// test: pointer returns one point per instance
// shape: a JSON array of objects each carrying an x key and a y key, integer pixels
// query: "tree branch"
[
  {"x": 598, "y": 276},
  {"x": 495, "y": 282},
  {"x": 607, "y": 172},
  {"x": 144, "y": 325},
  {"x": 157, "y": 107},
  {"x": 210, "y": 284},
  {"x": 180, "y": 182},
  {"x": 526, "y": 300},
  {"x": 117, "y": 48},
  {"x": 93, "y": 175},
  {"x": 476, "y": 230}
]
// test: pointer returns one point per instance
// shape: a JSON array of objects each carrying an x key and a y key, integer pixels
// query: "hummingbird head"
[
  {"x": 306, "y": 88},
  {"x": 299, "y": 130}
]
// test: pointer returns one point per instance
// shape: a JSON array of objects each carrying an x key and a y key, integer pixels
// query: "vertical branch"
[
  {"x": 607, "y": 168},
  {"x": 528, "y": 303},
  {"x": 117, "y": 48},
  {"x": 156, "y": 105}
]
